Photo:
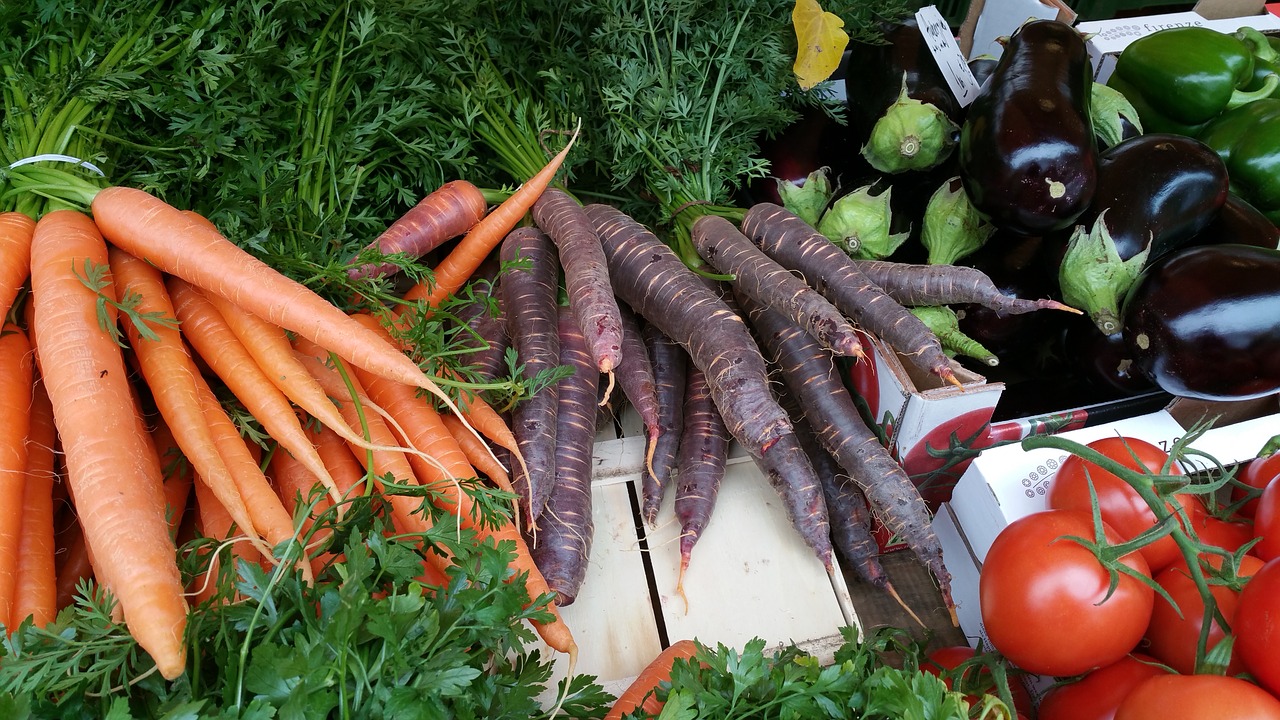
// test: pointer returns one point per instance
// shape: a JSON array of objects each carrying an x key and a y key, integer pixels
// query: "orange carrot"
[
  {"x": 459, "y": 265},
  {"x": 208, "y": 332},
  {"x": 15, "y": 256},
  {"x": 426, "y": 431},
  {"x": 214, "y": 522},
  {"x": 447, "y": 212},
  {"x": 116, "y": 493},
  {"x": 294, "y": 485},
  {"x": 15, "y": 387},
  {"x": 36, "y": 594},
  {"x": 639, "y": 695},
  {"x": 339, "y": 459},
  {"x": 266, "y": 512},
  {"x": 177, "y": 475},
  {"x": 178, "y": 244},
  {"x": 270, "y": 349},
  {"x": 171, "y": 375},
  {"x": 406, "y": 510},
  {"x": 74, "y": 567},
  {"x": 479, "y": 455},
  {"x": 486, "y": 421}
]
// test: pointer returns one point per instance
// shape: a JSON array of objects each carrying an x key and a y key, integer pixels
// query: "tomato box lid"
[{"x": 1005, "y": 483}]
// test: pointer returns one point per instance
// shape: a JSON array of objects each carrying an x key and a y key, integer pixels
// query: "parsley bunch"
[
  {"x": 366, "y": 640},
  {"x": 875, "y": 678}
]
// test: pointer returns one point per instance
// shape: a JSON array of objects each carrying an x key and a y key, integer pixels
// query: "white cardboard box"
[{"x": 1108, "y": 38}]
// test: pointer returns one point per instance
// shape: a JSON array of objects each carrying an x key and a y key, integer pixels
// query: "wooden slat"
[
  {"x": 612, "y": 619},
  {"x": 751, "y": 574}
]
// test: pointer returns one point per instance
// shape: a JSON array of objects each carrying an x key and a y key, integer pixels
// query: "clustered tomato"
[
  {"x": 1047, "y": 607},
  {"x": 1046, "y": 600},
  {"x": 1120, "y": 505},
  {"x": 1257, "y": 474},
  {"x": 943, "y": 662}
]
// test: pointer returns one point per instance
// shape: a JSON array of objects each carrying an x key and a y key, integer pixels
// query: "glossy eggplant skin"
[
  {"x": 1204, "y": 322},
  {"x": 1157, "y": 188},
  {"x": 1027, "y": 150},
  {"x": 1239, "y": 223}
]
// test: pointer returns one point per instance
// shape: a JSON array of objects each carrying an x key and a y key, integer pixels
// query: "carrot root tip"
[{"x": 893, "y": 593}]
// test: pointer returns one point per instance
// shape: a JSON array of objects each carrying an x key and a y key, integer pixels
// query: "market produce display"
[{"x": 313, "y": 312}]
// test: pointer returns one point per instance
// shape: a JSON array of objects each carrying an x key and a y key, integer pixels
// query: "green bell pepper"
[
  {"x": 1266, "y": 59},
  {"x": 1247, "y": 139},
  {"x": 1187, "y": 76}
]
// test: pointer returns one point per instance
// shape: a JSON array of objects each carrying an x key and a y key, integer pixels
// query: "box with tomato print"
[{"x": 932, "y": 428}]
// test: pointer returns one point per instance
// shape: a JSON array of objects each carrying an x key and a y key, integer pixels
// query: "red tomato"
[
  {"x": 1257, "y": 626},
  {"x": 1198, "y": 697},
  {"x": 1122, "y": 508},
  {"x": 948, "y": 658},
  {"x": 1097, "y": 695},
  {"x": 1257, "y": 473},
  {"x": 1171, "y": 638},
  {"x": 1266, "y": 523},
  {"x": 1044, "y": 599},
  {"x": 1228, "y": 535}
]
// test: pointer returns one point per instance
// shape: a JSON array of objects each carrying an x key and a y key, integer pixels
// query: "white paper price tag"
[{"x": 942, "y": 44}]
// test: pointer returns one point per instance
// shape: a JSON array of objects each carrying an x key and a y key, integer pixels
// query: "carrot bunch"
[{"x": 143, "y": 305}]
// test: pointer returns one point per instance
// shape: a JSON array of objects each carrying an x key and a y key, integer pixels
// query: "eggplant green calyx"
[
  {"x": 809, "y": 198},
  {"x": 1109, "y": 109},
  {"x": 944, "y": 323},
  {"x": 911, "y": 135},
  {"x": 859, "y": 223},
  {"x": 1094, "y": 278},
  {"x": 953, "y": 227}
]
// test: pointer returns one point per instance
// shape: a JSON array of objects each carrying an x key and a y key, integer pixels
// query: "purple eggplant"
[
  {"x": 1027, "y": 151},
  {"x": 1239, "y": 223},
  {"x": 1158, "y": 191},
  {"x": 1204, "y": 322}
]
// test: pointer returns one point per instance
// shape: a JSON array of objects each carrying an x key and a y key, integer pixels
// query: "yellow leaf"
[{"x": 820, "y": 40}]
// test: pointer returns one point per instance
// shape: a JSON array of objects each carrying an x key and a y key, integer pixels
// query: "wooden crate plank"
[
  {"x": 751, "y": 574},
  {"x": 612, "y": 619}
]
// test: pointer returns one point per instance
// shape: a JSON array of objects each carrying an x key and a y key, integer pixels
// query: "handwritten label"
[{"x": 945, "y": 51}]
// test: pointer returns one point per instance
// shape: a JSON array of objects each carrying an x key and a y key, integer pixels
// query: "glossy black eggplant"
[
  {"x": 1204, "y": 322},
  {"x": 1239, "y": 223},
  {"x": 1157, "y": 190},
  {"x": 1027, "y": 150}
]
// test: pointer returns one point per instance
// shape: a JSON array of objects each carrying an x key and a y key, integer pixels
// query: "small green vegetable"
[
  {"x": 944, "y": 323},
  {"x": 953, "y": 227},
  {"x": 1094, "y": 278},
  {"x": 809, "y": 199},
  {"x": 859, "y": 223},
  {"x": 910, "y": 135}
]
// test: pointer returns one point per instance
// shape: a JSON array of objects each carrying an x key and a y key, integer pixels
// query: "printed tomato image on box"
[{"x": 933, "y": 429}]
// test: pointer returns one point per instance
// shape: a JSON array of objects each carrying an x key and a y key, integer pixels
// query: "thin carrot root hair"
[
  {"x": 608, "y": 389},
  {"x": 893, "y": 593},
  {"x": 573, "y": 663},
  {"x": 684, "y": 565}
]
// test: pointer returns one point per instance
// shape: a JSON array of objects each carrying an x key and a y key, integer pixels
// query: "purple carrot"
[
  {"x": 563, "y": 543},
  {"x": 920, "y": 285},
  {"x": 793, "y": 243},
  {"x": 586, "y": 275},
  {"x": 670, "y": 371},
  {"x": 704, "y": 450},
  {"x": 487, "y": 332},
  {"x": 649, "y": 277},
  {"x": 529, "y": 297},
  {"x": 808, "y": 371},
  {"x": 635, "y": 377},
  {"x": 764, "y": 280},
  {"x": 445, "y": 213}
]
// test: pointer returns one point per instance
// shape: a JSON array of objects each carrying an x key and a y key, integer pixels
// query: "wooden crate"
[{"x": 751, "y": 574}]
